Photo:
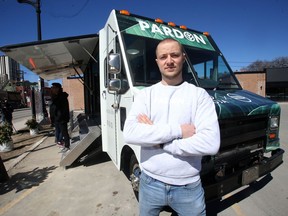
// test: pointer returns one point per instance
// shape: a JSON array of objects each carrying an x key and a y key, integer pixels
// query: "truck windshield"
[{"x": 203, "y": 67}]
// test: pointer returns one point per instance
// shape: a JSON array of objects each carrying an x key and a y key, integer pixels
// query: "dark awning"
[
  {"x": 277, "y": 75},
  {"x": 54, "y": 59}
]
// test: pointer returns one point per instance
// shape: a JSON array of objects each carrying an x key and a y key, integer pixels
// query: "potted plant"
[
  {"x": 33, "y": 126},
  {"x": 6, "y": 142}
]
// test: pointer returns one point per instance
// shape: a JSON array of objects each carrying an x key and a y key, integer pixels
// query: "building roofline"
[{"x": 248, "y": 72}]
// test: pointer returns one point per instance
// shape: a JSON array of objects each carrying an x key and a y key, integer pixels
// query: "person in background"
[
  {"x": 175, "y": 123},
  {"x": 7, "y": 112},
  {"x": 60, "y": 115}
]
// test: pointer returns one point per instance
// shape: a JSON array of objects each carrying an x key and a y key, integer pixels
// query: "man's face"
[
  {"x": 170, "y": 59},
  {"x": 54, "y": 90}
]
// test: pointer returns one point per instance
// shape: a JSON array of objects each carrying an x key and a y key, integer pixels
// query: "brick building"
[
  {"x": 271, "y": 83},
  {"x": 254, "y": 81},
  {"x": 75, "y": 89}
]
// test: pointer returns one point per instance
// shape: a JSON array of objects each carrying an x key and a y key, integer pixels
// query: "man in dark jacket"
[
  {"x": 7, "y": 111},
  {"x": 60, "y": 115}
]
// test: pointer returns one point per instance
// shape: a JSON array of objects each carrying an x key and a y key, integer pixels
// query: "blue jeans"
[
  {"x": 186, "y": 200},
  {"x": 58, "y": 134}
]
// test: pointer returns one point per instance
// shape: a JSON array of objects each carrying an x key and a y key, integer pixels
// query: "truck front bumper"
[{"x": 243, "y": 177}]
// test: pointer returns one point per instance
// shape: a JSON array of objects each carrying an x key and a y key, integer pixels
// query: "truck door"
[
  {"x": 111, "y": 126},
  {"x": 115, "y": 85},
  {"x": 109, "y": 122}
]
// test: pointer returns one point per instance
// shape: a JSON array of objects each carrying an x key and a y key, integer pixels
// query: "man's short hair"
[
  {"x": 58, "y": 85},
  {"x": 170, "y": 39}
]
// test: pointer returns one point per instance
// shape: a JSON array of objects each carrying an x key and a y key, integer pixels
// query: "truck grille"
[{"x": 242, "y": 132}]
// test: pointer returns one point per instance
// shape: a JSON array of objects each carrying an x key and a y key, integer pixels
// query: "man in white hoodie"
[{"x": 175, "y": 123}]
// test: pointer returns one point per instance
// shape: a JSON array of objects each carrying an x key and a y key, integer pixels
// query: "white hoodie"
[{"x": 168, "y": 107}]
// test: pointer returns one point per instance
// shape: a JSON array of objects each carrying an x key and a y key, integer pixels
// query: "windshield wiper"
[{"x": 222, "y": 85}]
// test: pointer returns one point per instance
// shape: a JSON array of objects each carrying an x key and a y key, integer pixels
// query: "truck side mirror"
[
  {"x": 119, "y": 86},
  {"x": 114, "y": 85},
  {"x": 114, "y": 63}
]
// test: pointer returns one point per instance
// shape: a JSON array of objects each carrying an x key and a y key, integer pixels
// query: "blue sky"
[{"x": 245, "y": 30}]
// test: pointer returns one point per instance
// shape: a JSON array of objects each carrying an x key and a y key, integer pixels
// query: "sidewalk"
[
  {"x": 39, "y": 186},
  {"x": 23, "y": 144}
]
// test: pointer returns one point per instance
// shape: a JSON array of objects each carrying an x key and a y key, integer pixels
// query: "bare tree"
[{"x": 259, "y": 65}]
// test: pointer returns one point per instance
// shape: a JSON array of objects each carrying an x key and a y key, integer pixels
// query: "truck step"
[{"x": 78, "y": 148}]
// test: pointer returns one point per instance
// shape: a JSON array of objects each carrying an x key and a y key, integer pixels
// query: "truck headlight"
[{"x": 274, "y": 122}]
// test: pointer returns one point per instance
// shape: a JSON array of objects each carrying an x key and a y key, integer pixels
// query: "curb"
[{"x": 22, "y": 156}]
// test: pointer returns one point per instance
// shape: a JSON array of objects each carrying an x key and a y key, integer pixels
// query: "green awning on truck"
[{"x": 54, "y": 59}]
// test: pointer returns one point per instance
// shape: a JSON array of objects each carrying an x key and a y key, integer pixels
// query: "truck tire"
[{"x": 134, "y": 173}]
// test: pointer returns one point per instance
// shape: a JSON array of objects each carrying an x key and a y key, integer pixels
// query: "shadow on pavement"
[
  {"x": 42, "y": 148},
  {"x": 23, "y": 142},
  {"x": 215, "y": 207},
  {"x": 92, "y": 155},
  {"x": 26, "y": 180},
  {"x": 99, "y": 158},
  {"x": 90, "y": 160}
]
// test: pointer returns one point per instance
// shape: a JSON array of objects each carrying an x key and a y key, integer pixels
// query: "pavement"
[
  {"x": 38, "y": 185},
  {"x": 24, "y": 143}
]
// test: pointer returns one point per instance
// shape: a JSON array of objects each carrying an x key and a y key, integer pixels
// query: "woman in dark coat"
[{"x": 60, "y": 115}]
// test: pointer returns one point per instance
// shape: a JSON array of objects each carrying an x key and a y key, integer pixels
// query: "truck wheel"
[{"x": 134, "y": 173}]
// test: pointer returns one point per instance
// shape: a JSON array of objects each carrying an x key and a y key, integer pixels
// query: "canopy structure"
[{"x": 54, "y": 59}]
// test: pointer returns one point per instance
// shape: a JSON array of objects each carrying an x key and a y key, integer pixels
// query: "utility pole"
[{"x": 37, "y": 5}]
